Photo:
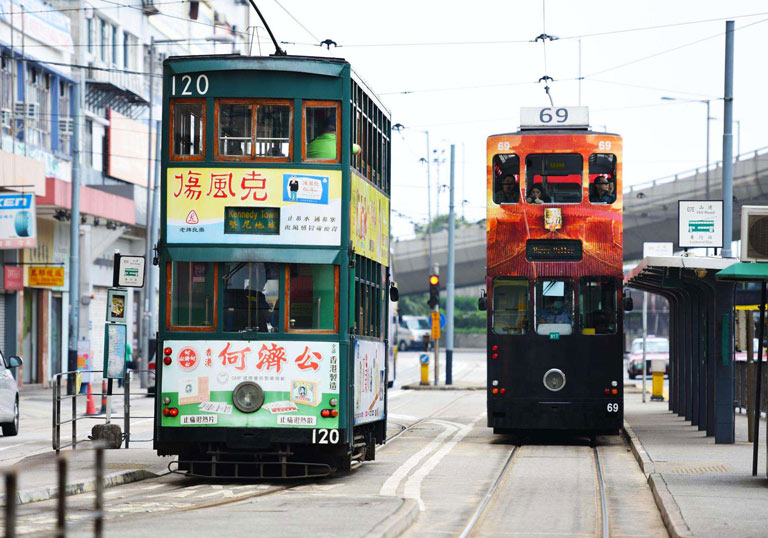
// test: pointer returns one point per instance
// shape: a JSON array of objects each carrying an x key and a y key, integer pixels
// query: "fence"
[{"x": 740, "y": 382}]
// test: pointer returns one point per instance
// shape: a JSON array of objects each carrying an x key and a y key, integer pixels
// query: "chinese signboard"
[
  {"x": 129, "y": 271},
  {"x": 46, "y": 276},
  {"x": 700, "y": 223},
  {"x": 199, "y": 201},
  {"x": 298, "y": 379},
  {"x": 369, "y": 221},
  {"x": 13, "y": 277},
  {"x": 17, "y": 221},
  {"x": 370, "y": 382}
]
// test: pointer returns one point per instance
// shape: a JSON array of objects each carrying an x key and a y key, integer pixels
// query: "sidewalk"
[{"x": 702, "y": 489}]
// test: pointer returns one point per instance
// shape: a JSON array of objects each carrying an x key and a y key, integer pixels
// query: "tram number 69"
[
  {"x": 613, "y": 408},
  {"x": 604, "y": 145},
  {"x": 201, "y": 85},
  {"x": 545, "y": 116},
  {"x": 324, "y": 437}
]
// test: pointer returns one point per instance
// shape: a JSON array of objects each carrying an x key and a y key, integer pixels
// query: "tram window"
[
  {"x": 273, "y": 130},
  {"x": 320, "y": 130},
  {"x": 554, "y": 306},
  {"x": 312, "y": 297},
  {"x": 553, "y": 178},
  {"x": 602, "y": 178},
  {"x": 251, "y": 297},
  {"x": 597, "y": 305},
  {"x": 235, "y": 125},
  {"x": 193, "y": 295},
  {"x": 188, "y": 126},
  {"x": 510, "y": 306},
  {"x": 506, "y": 179}
]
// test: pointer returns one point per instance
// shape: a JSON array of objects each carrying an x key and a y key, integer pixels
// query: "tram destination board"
[
  {"x": 553, "y": 250},
  {"x": 252, "y": 220}
]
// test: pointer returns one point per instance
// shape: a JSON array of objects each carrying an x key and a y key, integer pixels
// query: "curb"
[
  {"x": 669, "y": 510},
  {"x": 116, "y": 479},
  {"x": 396, "y": 524},
  {"x": 416, "y": 386}
]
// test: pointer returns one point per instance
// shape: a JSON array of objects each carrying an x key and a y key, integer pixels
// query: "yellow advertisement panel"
[
  {"x": 253, "y": 205},
  {"x": 45, "y": 277},
  {"x": 369, "y": 221}
]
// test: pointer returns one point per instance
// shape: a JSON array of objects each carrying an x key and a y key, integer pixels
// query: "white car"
[
  {"x": 413, "y": 333},
  {"x": 9, "y": 395}
]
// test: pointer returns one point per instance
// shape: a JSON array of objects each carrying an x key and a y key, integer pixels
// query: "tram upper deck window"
[
  {"x": 553, "y": 178},
  {"x": 251, "y": 297},
  {"x": 188, "y": 129},
  {"x": 321, "y": 119},
  {"x": 554, "y": 306},
  {"x": 602, "y": 178},
  {"x": 249, "y": 130},
  {"x": 597, "y": 305},
  {"x": 506, "y": 179},
  {"x": 510, "y": 306},
  {"x": 192, "y": 301},
  {"x": 312, "y": 293},
  {"x": 235, "y": 125}
]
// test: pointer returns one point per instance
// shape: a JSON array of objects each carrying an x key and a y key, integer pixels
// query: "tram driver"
[{"x": 555, "y": 311}]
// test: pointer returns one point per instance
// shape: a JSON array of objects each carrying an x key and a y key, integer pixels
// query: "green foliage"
[{"x": 467, "y": 318}]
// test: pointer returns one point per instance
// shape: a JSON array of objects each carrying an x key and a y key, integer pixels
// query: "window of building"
[
  {"x": 129, "y": 49},
  {"x": 89, "y": 31},
  {"x": 312, "y": 293},
  {"x": 602, "y": 178},
  {"x": 187, "y": 129},
  {"x": 7, "y": 91},
  {"x": 104, "y": 40},
  {"x": 249, "y": 129},
  {"x": 597, "y": 305},
  {"x": 553, "y": 178},
  {"x": 115, "y": 42},
  {"x": 192, "y": 301},
  {"x": 321, "y": 142},
  {"x": 88, "y": 143},
  {"x": 370, "y": 290},
  {"x": 251, "y": 297},
  {"x": 506, "y": 179},
  {"x": 554, "y": 306},
  {"x": 38, "y": 107},
  {"x": 510, "y": 305},
  {"x": 66, "y": 127}
]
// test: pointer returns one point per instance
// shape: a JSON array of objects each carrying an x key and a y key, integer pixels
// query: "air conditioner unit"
[
  {"x": 66, "y": 126},
  {"x": 6, "y": 116},
  {"x": 754, "y": 233},
  {"x": 28, "y": 110}
]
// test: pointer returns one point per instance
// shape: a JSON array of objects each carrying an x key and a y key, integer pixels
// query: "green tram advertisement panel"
[{"x": 273, "y": 255}]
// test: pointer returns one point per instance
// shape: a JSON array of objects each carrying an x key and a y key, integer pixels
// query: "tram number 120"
[
  {"x": 325, "y": 437},
  {"x": 186, "y": 85}
]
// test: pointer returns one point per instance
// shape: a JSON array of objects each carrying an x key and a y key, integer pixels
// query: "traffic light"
[{"x": 434, "y": 291}]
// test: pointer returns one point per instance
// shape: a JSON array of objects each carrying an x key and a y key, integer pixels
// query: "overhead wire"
[{"x": 297, "y": 21}]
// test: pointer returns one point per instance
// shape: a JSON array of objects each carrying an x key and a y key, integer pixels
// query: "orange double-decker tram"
[{"x": 554, "y": 274}]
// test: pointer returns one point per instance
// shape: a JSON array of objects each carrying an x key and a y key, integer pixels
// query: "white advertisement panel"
[{"x": 370, "y": 383}]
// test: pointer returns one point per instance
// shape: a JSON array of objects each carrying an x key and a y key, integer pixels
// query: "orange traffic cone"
[
  {"x": 91, "y": 408},
  {"x": 103, "y": 397}
]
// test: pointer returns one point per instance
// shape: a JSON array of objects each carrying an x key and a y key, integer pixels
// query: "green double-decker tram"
[{"x": 273, "y": 256}]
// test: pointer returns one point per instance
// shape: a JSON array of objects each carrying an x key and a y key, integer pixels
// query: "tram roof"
[{"x": 522, "y": 132}]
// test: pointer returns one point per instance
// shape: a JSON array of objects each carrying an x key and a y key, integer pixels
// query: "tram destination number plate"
[
  {"x": 553, "y": 250},
  {"x": 252, "y": 220}
]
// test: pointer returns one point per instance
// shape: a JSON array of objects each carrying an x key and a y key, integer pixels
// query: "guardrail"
[{"x": 59, "y": 397}]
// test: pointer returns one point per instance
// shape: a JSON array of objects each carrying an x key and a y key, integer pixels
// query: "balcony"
[
  {"x": 117, "y": 90},
  {"x": 149, "y": 7}
]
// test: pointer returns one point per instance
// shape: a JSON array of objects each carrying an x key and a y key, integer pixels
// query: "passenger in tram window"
[
  {"x": 324, "y": 145},
  {"x": 509, "y": 192},
  {"x": 602, "y": 191},
  {"x": 554, "y": 311},
  {"x": 537, "y": 196}
]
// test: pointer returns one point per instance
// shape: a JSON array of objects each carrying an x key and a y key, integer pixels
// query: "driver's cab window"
[
  {"x": 312, "y": 297},
  {"x": 506, "y": 179},
  {"x": 554, "y": 307},
  {"x": 251, "y": 297},
  {"x": 553, "y": 178},
  {"x": 602, "y": 178},
  {"x": 510, "y": 305},
  {"x": 597, "y": 305}
]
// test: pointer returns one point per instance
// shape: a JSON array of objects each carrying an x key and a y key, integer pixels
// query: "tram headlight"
[
  {"x": 248, "y": 397},
  {"x": 554, "y": 380}
]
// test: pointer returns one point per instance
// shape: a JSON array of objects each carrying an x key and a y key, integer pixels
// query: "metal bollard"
[
  {"x": 98, "y": 523},
  {"x": 10, "y": 504},
  {"x": 74, "y": 413},
  {"x": 127, "y": 409},
  {"x": 424, "y": 361},
  {"x": 61, "y": 502}
]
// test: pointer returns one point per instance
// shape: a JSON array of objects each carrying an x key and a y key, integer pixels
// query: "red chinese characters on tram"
[
  {"x": 234, "y": 357},
  {"x": 191, "y": 185},
  {"x": 270, "y": 358},
  {"x": 309, "y": 359}
]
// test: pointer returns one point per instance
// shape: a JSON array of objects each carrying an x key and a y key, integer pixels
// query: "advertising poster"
[
  {"x": 17, "y": 221},
  {"x": 298, "y": 379},
  {"x": 369, "y": 221},
  {"x": 370, "y": 383},
  {"x": 253, "y": 206}
]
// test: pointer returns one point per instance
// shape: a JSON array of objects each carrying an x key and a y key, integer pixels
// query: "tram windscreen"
[
  {"x": 554, "y": 306},
  {"x": 553, "y": 178},
  {"x": 597, "y": 305},
  {"x": 251, "y": 297},
  {"x": 510, "y": 306}
]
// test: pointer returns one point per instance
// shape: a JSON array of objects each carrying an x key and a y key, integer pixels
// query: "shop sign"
[
  {"x": 17, "y": 221},
  {"x": 46, "y": 277},
  {"x": 13, "y": 278}
]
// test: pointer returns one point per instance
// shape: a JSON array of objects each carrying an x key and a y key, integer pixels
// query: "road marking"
[
  {"x": 218, "y": 492},
  {"x": 11, "y": 446},
  {"x": 401, "y": 417},
  {"x": 391, "y": 484},
  {"x": 413, "y": 486}
]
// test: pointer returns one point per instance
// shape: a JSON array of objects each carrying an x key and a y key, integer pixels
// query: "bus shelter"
[{"x": 701, "y": 373}]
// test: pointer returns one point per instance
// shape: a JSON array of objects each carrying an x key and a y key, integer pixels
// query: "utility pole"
[
  {"x": 728, "y": 144},
  {"x": 451, "y": 275},
  {"x": 429, "y": 204},
  {"x": 146, "y": 324},
  {"x": 645, "y": 336}
]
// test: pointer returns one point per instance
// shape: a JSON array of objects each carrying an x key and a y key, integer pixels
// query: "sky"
[{"x": 462, "y": 71}]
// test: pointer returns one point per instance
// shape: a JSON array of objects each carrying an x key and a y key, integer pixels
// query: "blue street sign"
[
  {"x": 442, "y": 321},
  {"x": 424, "y": 358}
]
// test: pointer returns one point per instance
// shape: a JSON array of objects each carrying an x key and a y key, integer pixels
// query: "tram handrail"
[{"x": 58, "y": 397}]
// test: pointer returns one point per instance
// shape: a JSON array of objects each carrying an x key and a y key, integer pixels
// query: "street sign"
[
  {"x": 424, "y": 358},
  {"x": 443, "y": 321},
  {"x": 116, "y": 305},
  {"x": 434, "y": 323},
  {"x": 700, "y": 223},
  {"x": 651, "y": 248},
  {"x": 128, "y": 272}
]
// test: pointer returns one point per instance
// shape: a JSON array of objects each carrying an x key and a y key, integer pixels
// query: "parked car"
[
  {"x": 413, "y": 333},
  {"x": 9, "y": 395},
  {"x": 656, "y": 348}
]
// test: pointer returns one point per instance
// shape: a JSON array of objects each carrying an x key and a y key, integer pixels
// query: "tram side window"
[
  {"x": 312, "y": 297},
  {"x": 273, "y": 130},
  {"x": 235, "y": 124},
  {"x": 553, "y": 178},
  {"x": 193, "y": 295},
  {"x": 251, "y": 297},
  {"x": 320, "y": 125},
  {"x": 506, "y": 179},
  {"x": 510, "y": 306},
  {"x": 602, "y": 178},
  {"x": 597, "y": 305},
  {"x": 188, "y": 126},
  {"x": 554, "y": 306}
]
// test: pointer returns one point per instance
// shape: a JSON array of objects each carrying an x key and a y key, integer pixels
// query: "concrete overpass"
[{"x": 650, "y": 214}]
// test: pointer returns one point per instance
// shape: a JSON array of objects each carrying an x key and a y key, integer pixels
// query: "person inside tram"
[
  {"x": 324, "y": 145},
  {"x": 555, "y": 311},
  {"x": 602, "y": 191},
  {"x": 537, "y": 196},
  {"x": 508, "y": 193}
]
